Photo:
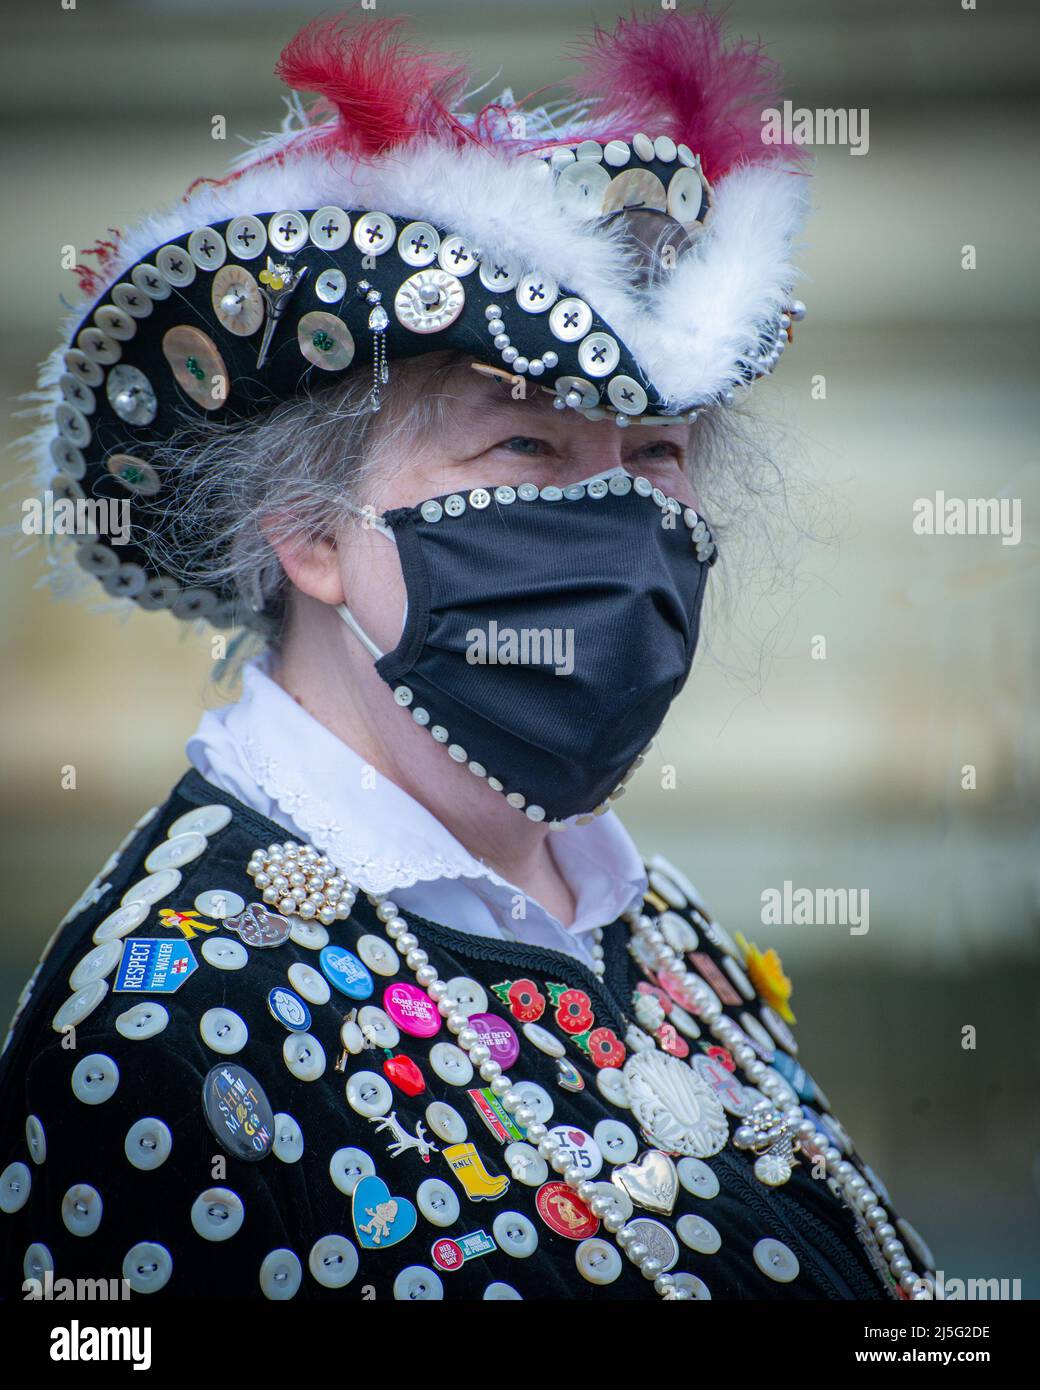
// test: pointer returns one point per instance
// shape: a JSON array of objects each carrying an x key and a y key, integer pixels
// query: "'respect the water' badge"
[
  {"x": 154, "y": 965},
  {"x": 498, "y": 1036},
  {"x": 345, "y": 972},
  {"x": 412, "y": 1010}
]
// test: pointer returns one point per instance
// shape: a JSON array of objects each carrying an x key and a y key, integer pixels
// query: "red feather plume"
[
  {"x": 385, "y": 93},
  {"x": 676, "y": 76}
]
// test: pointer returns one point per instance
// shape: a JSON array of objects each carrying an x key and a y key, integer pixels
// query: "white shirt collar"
[{"x": 275, "y": 757}]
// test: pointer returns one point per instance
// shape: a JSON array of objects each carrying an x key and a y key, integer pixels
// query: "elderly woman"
[{"x": 382, "y": 1000}]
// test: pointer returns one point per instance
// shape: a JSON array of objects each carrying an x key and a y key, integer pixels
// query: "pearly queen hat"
[{"x": 629, "y": 252}]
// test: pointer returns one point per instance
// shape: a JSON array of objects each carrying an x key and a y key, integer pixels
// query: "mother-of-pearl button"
[
  {"x": 472, "y": 997},
  {"x": 224, "y": 1031},
  {"x": 515, "y": 1234},
  {"x": 147, "y": 1266},
  {"x": 378, "y": 1027},
  {"x": 616, "y": 1141},
  {"x": 36, "y": 1139},
  {"x": 437, "y": 1202},
  {"x": 81, "y": 1209},
  {"x": 171, "y": 854},
  {"x": 677, "y": 932},
  {"x": 96, "y": 964},
  {"x": 378, "y": 955},
  {"x": 38, "y": 1260},
  {"x": 416, "y": 1283},
  {"x": 333, "y": 1261},
  {"x": 219, "y": 903},
  {"x": 526, "y": 1164},
  {"x": 543, "y": 1040},
  {"x": 117, "y": 924},
  {"x": 597, "y": 1261},
  {"x": 79, "y": 1005},
  {"x": 288, "y": 1138},
  {"x": 351, "y": 1036},
  {"x": 307, "y": 981},
  {"x": 698, "y": 1233},
  {"x": 207, "y": 820},
  {"x": 738, "y": 977},
  {"x": 538, "y": 1098},
  {"x": 451, "y": 1064},
  {"x": 15, "y": 1185},
  {"x": 217, "y": 1213},
  {"x": 776, "y": 1260},
  {"x": 148, "y": 1143},
  {"x": 151, "y": 889},
  {"x": 224, "y": 954},
  {"x": 94, "y": 1079},
  {"x": 312, "y": 936},
  {"x": 695, "y": 1287},
  {"x": 347, "y": 1167},
  {"x": 304, "y": 1055},
  {"x": 446, "y": 1122},
  {"x": 612, "y": 1086},
  {"x": 369, "y": 1094},
  {"x": 142, "y": 1021},
  {"x": 697, "y": 1177},
  {"x": 280, "y": 1275},
  {"x": 500, "y": 1293}
]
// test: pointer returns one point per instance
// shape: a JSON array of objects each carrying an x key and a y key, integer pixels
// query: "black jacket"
[{"x": 75, "y": 1202}]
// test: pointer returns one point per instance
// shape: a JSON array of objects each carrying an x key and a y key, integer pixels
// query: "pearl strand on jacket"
[
  {"x": 857, "y": 1192},
  {"x": 548, "y": 1145}
]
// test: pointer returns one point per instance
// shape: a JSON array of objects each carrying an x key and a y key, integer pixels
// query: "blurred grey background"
[{"x": 843, "y": 772}]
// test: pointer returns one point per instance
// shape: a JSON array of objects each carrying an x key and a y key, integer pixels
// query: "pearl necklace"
[
  {"x": 298, "y": 880},
  {"x": 608, "y": 1209},
  {"x": 793, "y": 1128}
]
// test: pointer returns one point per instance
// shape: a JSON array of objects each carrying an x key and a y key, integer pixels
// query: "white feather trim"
[{"x": 689, "y": 335}]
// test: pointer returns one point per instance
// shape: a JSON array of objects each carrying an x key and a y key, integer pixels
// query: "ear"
[{"x": 311, "y": 564}]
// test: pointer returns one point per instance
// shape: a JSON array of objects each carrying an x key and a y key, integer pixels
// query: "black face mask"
[{"x": 547, "y": 633}]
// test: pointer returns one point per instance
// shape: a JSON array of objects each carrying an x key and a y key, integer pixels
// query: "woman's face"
[{"x": 487, "y": 438}]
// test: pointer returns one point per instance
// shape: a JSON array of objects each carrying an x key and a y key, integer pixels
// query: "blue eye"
[{"x": 519, "y": 442}]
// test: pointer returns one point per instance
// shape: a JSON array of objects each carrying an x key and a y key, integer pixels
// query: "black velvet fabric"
[
  {"x": 603, "y": 574},
  {"x": 293, "y": 1205}
]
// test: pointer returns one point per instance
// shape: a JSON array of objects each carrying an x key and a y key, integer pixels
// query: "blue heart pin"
[{"x": 379, "y": 1219}]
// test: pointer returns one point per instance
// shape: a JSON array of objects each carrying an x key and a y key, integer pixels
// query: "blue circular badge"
[
  {"x": 345, "y": 972},
  {"x": 289, "y": 1009}
]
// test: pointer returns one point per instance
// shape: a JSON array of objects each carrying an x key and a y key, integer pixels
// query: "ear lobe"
[{"x": 311, "y": 564}]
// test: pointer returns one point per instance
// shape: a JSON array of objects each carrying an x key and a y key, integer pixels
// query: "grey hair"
[{"x": 303, "y": 469}]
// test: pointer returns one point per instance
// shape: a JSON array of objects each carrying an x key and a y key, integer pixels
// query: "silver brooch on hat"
[{"x": 278, "y": 283}]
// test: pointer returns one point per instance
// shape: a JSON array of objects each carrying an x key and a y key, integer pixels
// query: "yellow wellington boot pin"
[{"x": 468, "y": 1167}]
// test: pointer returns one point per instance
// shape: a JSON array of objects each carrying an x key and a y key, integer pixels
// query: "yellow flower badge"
[{"x": 766, "y": 973}]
